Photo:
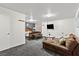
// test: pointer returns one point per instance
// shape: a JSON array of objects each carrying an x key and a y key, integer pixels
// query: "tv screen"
[{"x": 50, "y": 26}]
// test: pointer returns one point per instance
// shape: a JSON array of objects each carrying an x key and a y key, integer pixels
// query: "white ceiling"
[{"x": 62, "y": 11}]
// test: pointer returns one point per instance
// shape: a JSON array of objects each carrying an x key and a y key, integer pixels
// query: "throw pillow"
[
  {"x": 62, "y": 41},
  {"x": 71, "y": 43}
]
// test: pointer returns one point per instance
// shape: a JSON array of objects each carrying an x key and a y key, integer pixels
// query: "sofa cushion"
[
  {"x": 71, "y": 43},
  {"x": 62, "y": 41},
  {"x": 55, "y": 41},
  {"x": 57, "y": 48}
]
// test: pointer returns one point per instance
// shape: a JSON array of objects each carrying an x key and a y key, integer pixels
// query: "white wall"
[
  {"x": 64, "y": 26},
  {"x": 16, "y": 28},
  {"x": 77, "y": 26}
]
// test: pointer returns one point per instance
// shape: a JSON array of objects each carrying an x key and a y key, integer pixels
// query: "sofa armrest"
[
  {"x": 61, "y": 47},
  {"x": 76, "y": 51}
]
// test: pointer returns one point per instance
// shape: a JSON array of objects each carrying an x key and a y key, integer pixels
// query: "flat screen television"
[{"x": 50, "y": 26}]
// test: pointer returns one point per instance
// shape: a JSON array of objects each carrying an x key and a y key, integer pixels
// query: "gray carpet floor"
[{"x": 30, "y": 48}]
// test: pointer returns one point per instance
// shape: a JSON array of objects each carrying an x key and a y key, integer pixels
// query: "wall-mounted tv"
[{"x": 50, "y": 26}]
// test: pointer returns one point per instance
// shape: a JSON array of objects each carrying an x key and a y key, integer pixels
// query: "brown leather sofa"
[
  {"x": 71, "y": 47},
  {"x": 35, "y": 35}
]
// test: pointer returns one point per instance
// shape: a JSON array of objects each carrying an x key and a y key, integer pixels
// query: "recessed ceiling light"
[
  {"x": 31, "y": 19},
  {"x": 50, "y": 15}
]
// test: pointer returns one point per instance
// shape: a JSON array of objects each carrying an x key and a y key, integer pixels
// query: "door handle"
[{"x": 8, "y": 33}]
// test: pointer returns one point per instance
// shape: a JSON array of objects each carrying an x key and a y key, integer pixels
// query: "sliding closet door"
[{"x": 4, "y": 32}]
